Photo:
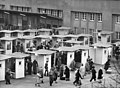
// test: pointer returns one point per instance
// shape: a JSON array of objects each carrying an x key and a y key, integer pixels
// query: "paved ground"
[{"x": 29, "y": 82}]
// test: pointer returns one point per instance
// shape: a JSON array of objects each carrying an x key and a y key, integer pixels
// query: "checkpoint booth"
[
  {"x": 104, "y": 37},
  {"x": 5, "y": 33},
  {"x": 58, "y": 39},
  {"x": 41, "y": 56},
  {"x": 27, "y": 41},
  {"x": 44, "y": 31},
  {"x": 17, "y": 64},
  {"x": 62, "y": 30},
  {"x": 3, "y": 60},
  {"x": 72, "y": 42},
  {"x": 67, "y": 54},
  {"x": 8, "y": 44},
  {"x": 81, "y": 54},
  {"x": 44, "y": 39},
  {"x": 85, "y": 38},
  {"x": 99, "y": 52}
]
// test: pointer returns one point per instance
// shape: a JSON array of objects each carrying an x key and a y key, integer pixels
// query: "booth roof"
[
  {"x": 18, "y": 55},
  {"x": 6, "y": 31},
  {"x": 106, "y": 32},
  {"x": 64, "y": 48},
  {"x": 43, "y": 36},
  {"x": 7, "y": 38},
  {"x": 1, "y": 49},
  {"x": 73, "y": 41},
  {"x": 84, "y": 35},
  {"x": 101, "y": 45},
  {"x": 44, "y": 29},
  {"x": 30, "y": 30},
  {"x": 26, "y": 37},
  {"x": 72, "y": 36},
  {"x": 63, "y": 28},
  {"x": 84, "y": 47},
  {"x": 3, "y": 57},
  {"x": 43, "y": 52},
  {"x": 59, "y": 36},
  {"x": 18, "y": 31}
]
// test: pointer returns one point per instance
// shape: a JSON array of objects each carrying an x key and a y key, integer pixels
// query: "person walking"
[
  {"x": 41, "y": 73},
  {"x": 61, "y": 71},
  {"x": 7, "y": 76},
  {"x": 35, "y": 65},
  {"x": 67, "y": 73},
  {"x": 93, "y": 74},
  {"x": 55, "y": 75},
  {"x": 100, "y": 73},
  {"x": 46, "y": 68},
  {"x": 51, "y": 76},
  {"x": 107, "y": 65},
  {"x": 77, "y": 76},
  {"x": 87, "y": 67}
]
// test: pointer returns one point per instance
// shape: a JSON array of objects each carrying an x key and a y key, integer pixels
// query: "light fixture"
[
  {"x": 22, "y": 14},
  {"x": 6, "y": 12}
]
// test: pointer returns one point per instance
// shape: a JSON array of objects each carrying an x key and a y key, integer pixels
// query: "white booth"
[
  {"x": 42, "y": 56},
  {"x": 82, "y": 54},
  {"x": 27, "y": 41},
  {"x": 7, "y": 44},
  {"x": 100, "y": 52},
  {"x": 19, "y": 63},
  {"x": 44, "y": 31},
  {"x": 67, "y": 54},
  {"x": 5, "y": 33},
  {"x": 30, "y": 32},
  {"x": 104, "y": 37},
  {"x": 17, "y": 33},
  {"x": 63, "y": 30},
  {"x": 3, "y": 59}
]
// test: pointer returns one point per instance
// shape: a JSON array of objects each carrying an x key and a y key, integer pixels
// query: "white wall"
[
  {"x": 98, "y": 55},
  {"x": 70, "y": 58},
  {"x": 84, "y": 57},
  {"x": 19, "y": 70},
  {"x": 105, "y": 55},
  {"x": 8, "y": 51},
  {"x": 2, "y": 70}
]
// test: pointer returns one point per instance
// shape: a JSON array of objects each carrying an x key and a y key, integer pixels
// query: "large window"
[
  {"x": 99, "y": 17},
  {"x": 76, "y": 15},
  {"x": 83, "y": 16},
  {"x": 117, "y": 35},
  {"x": 92, "y": 18},
  {"x": 20, "y": 8},
  {"x": 83, "y": 30},
  {"x": 117, "y": 19},
  {"x": 91, "y": 31}
]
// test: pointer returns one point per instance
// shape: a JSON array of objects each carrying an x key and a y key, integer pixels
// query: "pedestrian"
[
  {"x": 91, "y": 64},
  {"x": 55, "y": 75},
  {"x": 41, "y": 73},
  {"x": 82, "y": 70},
  {"x": 7, "y": 76},
  {"x": 87, "y": 67},
  {"x": 29, "y": 67},
  {"x": 100, "y": 75},
  {"x": 77, "y": 76},
  {"x": 107, "y": 65},
  {"x": 46, "y": 68},
  {"x": 67, "y": 73},
  {"x": 35, "y": 65},
  {"x": 21, "y": 48},
  {"x": 61, "y": 72},
  {"x": 93, "y": 74},
  {"x": 51, "y": 76}
]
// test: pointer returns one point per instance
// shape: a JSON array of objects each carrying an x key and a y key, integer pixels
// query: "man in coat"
[
  {"x": 100, "y": 73},
  {"x": 35, "y": 65},
  {"x": 67, "y": 73},
  {"x": 29, "y": 67},
  {"x": 93, "y": 74},
  {"x": 7, "y": 76}
]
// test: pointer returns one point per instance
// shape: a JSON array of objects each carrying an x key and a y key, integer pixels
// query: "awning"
[
  {"x": 44, "y": 36},
  {"x": 4, "y": 57},
  {"x": 59, "y": 36},
  {"x": 6, "y": 31},
  {"x": 26, "y": 37},
  {"x": 73, "y": 42},
  {"x": 84, "y": 35},
  {"x": 101, "y": 45},
  {"x": 63, "y": 28},
  {"x": 44, "y": 29},
  {"x": 7, "y": 38},
  {"x": 30, "y": 30},
  {"x": 72, "y": 36},
  {"x": 18, "y": 55},
  {"x": 42, "y": 52},
  {"x": 83, "y": 47}
]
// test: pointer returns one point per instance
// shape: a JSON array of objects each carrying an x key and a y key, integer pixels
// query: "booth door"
[
  {"x": 52, "y": 60},
  {"x": 64, "y": 58}
]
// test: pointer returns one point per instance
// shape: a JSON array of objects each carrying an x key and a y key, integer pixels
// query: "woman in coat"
[
  {"x": 100, "y": 73},
  {"x": 67, "y": 73}
]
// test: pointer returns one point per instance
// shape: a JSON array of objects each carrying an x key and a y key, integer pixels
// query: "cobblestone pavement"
[{"x": 29, "y": 82}]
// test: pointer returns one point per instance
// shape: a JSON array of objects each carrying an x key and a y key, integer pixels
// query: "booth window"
[
  {"x": 84, "y": 54},
  {"x": 20, "y": 63},
  {"x": 105, "y": 52},
  {"x": 0, "y": 65},
  {"x": 70, "y": 55},
  {"x": 47, "y": 59},
  {"x": 9, "y": 46}
]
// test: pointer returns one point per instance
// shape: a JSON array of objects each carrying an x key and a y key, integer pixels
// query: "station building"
[{"x": 83, "y": 16}]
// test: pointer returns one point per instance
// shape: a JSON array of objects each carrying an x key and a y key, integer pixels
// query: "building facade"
[{"x": 84, "y": 16}]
